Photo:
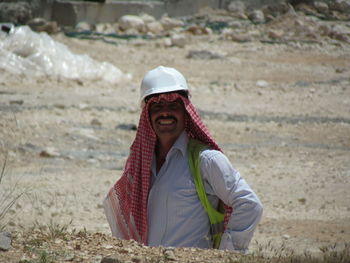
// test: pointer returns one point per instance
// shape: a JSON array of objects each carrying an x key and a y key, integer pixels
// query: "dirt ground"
[{"x": 280, "y": 112}]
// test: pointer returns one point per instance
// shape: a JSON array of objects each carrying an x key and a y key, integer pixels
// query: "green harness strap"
[{"x": 215, "y": 217}]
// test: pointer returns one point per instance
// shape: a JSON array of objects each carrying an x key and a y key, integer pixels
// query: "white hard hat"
[{"x": 162, "y": 80}]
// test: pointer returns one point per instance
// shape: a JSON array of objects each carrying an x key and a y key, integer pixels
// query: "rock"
[
  {"x": 36, "y": 22},
  {"x": 339, "y": 33},
  {"x": 275, "y": 34},
  {"x": 154, "y": 27},
  {"x": 166, "y": 42},
  {"x": 321, "y": 7},
  {"x": 262, "y": 83},
  {"x": 340, "y": 5},
  {"x": 110, "y": 260},
  {"x": 236, "y": 7},
  {"x": 203, "y": 54},
  {"x": 69, "y": 257},
  {"x": 108, "y": 246},
  {"x": 136, "y": 259},
  {"x": 50, "y": 27},
  {"x": 277, "y": 9},
  {"x": 198, "y": 30},
  {"x": 170, "y": 23},
  {"x": 340, "y": 70},
  {"x": 127, "y": 126},
  {"x": 271, "y": 11},
  {"x": 83, "y": 26},
  {"x": 302, "y": 200},
  {"x": 307, "y": 9},
  {"x": 131, "y": 31},
  {"x": 325, "y": 30},
  {"x": 126, "y": 250},
  {"x": 95, "y": 122},
  {"x": 49, "y": 152},
  {"x": 257, "y": 17},
  {"x": 147, "y": 18},
  {"x": 5, "y": 241},
  {"x": 286, "y": 236},
  {"x": 127, "y": 22},
  {"x": 178, "y": 40},
  {"x": 238, "y": 37},
  {"x": 105, "y": 28},
  {"x": 59, "y": 106},
  {"x": 18, "y": 102},
  {"x": 169, "y": 254},
  {"x": 41, "y": 25},
  {"x": 17, "y": 13}
]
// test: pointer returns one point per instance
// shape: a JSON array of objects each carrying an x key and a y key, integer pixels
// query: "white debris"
[{"x": 23, "y": 51}]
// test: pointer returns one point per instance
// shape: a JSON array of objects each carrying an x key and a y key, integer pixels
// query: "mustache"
[{"x": 166, "y": 118}]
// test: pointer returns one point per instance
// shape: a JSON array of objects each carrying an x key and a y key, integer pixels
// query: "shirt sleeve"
[{"x": 234, "y": 191}]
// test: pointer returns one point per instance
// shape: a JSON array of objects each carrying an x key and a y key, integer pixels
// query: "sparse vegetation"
[
  {"x": 52, "y": 230},
  {"x": 54, "y": 243},
  {"x": 8, "y": 196}
]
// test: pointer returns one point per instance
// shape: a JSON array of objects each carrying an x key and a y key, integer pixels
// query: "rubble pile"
[
  {"x": 306, "y": 21},
  {"x": 282, "y": 22}
]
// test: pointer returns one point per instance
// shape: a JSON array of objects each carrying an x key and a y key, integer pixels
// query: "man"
[{"x": 156, "y": 201}]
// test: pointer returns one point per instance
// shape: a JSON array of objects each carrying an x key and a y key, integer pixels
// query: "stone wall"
[{"x": 69, "y": 13}]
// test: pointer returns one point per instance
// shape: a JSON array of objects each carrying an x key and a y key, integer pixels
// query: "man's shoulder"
[{"x": 210, "y": 154}]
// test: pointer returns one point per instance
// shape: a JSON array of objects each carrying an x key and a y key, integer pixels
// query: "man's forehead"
[{"x": 165, "y": 101}]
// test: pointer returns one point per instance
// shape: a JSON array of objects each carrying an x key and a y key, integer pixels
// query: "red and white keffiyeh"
[{"x": 126, "y": 202}]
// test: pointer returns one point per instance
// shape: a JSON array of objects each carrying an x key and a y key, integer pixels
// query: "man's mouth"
[{"x": 166, "y": 121}]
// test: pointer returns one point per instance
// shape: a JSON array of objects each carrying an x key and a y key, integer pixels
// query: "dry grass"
[
  {"x": 9, "y": 195},
  {"x": 53, "y": 243}
]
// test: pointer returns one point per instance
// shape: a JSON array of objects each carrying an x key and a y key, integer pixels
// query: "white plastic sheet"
[{"x": 23, "y": 51}]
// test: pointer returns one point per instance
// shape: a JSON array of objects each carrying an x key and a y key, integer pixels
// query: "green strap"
[{"x": 216, "y": 218}]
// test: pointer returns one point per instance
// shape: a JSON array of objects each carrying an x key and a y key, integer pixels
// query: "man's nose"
[{"x": 166, "y": 110}]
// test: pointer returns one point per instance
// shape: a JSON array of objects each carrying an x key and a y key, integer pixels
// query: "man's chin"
[{"x": 167, "y": 133}]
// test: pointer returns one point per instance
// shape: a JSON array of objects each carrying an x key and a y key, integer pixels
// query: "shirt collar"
[{"x": 181, "y": 143}]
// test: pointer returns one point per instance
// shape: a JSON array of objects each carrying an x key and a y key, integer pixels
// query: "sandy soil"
[{"x": 290, "y": 138}]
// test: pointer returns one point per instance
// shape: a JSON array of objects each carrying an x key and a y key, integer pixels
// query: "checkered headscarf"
[{"x": 126, "y": 202}]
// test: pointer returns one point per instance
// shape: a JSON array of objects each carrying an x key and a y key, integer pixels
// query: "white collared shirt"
[{"x": 176, "y": 217}]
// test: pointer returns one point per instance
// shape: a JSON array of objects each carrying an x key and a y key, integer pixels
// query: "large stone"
[
  {"x": 5, "y": 241},
  {"x": 321, "y": 7},
  {"x": 154, "y": 27},
  {"x": 105, "y": 28},
  {"x": 277, "y": 9},
  {"x": 17, "y": 13},
  {"x": 147, "y": 18},
  {"x": 236, "y": 7},
  {"x": 340, "y": 5},
  {"x": 110, "y": 260},
  {"x": 131, "y": 22},
  {"x": 340, "y": 33},
  {"x": 178, "y": 40},
  {"x": 83, "y": 26},
  {"x": 198, "y": 30},
  {"x": 170, "y": 23},
  {"x": 204, "y": 54},
  {"x": 275, "y": 33},
  {"x": 229, "y": 34},
  {"x": 257, "y": 16},
  {"x": 39, "y": 24}
]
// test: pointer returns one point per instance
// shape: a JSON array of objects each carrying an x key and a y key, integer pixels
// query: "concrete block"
[{"x": 68, "y": 13}]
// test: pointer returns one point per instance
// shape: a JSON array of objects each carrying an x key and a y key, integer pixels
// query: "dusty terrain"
[{"x": 280, "y": 111}]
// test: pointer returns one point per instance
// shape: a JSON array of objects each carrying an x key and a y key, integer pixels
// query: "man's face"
[{"x": 167, "y": 118}]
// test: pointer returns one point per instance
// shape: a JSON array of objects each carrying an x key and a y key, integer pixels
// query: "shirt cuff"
[{"x": 228, "y": 242}]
